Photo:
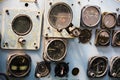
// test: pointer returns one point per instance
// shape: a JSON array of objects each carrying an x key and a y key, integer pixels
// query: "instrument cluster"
[{"x": 53, "y": 32}]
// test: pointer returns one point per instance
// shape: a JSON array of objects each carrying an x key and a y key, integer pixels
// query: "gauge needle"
[
  {"x": 107, "y": 22},
  {"x": 23, "y": 60},
  {"x": 118, "y": 70},
  {"x": 52, "y": 49},
  {"x": 97, "y": 64}
]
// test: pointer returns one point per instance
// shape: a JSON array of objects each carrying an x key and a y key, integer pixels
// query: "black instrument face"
[
  {"x": 97, "y": 67},
  {"x": 22, "y": 25},
  {"x": 61, "y": 69},
  {"x": 117, "y": 38},
  {"x": 75, "y": 71},
  {"x": 103, "y": 37},
  {"x": 60, "y": 16},
  {"x": 42, "y": 69},
  {"x": 91, "y": 16},
  {"x": 115, "y": 67},
  {"x": 19, "y": 66},
  {"x": 85, "y": 36},
  {"x": 56, "y": 50}
]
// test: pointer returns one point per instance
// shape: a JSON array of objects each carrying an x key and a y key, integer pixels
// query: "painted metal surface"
[{"x": 78, "y": 54}]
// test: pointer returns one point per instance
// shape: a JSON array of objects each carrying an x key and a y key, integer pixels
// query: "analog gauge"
[
  {"x": 97, "y": 66},
  {"x": 118, "y": 21},
  {"x": 85, "y": 36},
  {"x": 115, "y": 67},
  {"x": 22, "y": 25},
  {"x": 118, "y": 0},
  {"x": 61, "y": 69},
  {"x": 60, "y": 16},
  {"x": 56, "y": 50},
  {"x": 109, "y": 20},
  {"x": 42, "y": 69},
  {"x": 75, "y": 71},
  {"x": 91, "y": 15},
  {"x": 19, "y": 65},
  {"x": 103, "y": 37},
  {"x": 3, "y": 76},
  {"x": 116, "y": 38}
]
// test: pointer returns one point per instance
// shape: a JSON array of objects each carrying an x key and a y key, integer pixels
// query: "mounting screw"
[
  {"x": 7, "y": 12},
  {"x": 114, "y": 74},
  {"x": 48, "y": 28},
  {"x": 50, "y": 3},
  {"x": 92, "y": 74},
  {"x": 5, "y": 44},
  {"x": 117, "y": 9},
  {"x": 37, "y": 16},
  {"x": 78, "y": 2}
]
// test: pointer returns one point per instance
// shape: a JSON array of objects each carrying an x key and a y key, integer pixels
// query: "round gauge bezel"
[
  {"x": 88, "y": 32},
  {"x": 47, "y": 69},
  {"x": 114, "y": 37},
  {"x": 75, "y": 71},
  {"x": 53, "y": 6},
  {"x": 99, "y": 35},
  {"x": 58, "y": 66},
  {"x": 93, "y": 59},
  {"x": 17, "y": 55},
  {"x": 112, "y": 62},
  {"x": 99, "y": 11},
  {"x": 49, "y": 42},
  {"x": 30, "y": 27},
  {"x": 104, "y": 16}
]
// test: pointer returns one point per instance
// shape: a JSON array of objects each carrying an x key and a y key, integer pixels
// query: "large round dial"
[
  {"x": 103, "y": 37},
  {"x": 115, "y": 67},
  {"x": 19, "y": 65},
  {"x": 109, "y": 20},
  {"x": 60, "y": 16},
  {"x": 116, "y": 38},
  {"x": 56, "y": 50},
  {"x": 85, "y": 36},
  {"x": 97, "y": 66},
  {"x": 61, "y": 69},
  {"x": 91, "y": 16},
  {"x": 22, "y": 25},
  {"x": 42, "y": 69}
]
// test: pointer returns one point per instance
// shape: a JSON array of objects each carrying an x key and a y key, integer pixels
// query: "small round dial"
[
  {"x": 60, "y": 16},
  {"x": 116, "y": 38},
  {"x": 97, "y": 66},
  {"x": 109, "y": 20},
  {"x": 56, "y": 50},
  {"x": 75, "y": 71},
  {"x": 115, "y": 67},
  {"x": 103, "y": 37},
  {"x": 91, "y": 16},
  {"x": 19, "y": 65},
  {"x": 61, "y": 69},
  {"x": 22, "y": 25},
  {"x": 85, "y": 36},
  {"x": 42, "y": 69}
]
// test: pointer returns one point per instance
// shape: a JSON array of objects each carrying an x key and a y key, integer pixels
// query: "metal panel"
[
  {"x": 52, "y": 32},
  {"x": 10, "y": 40},
  {"x": 78, "y": 54}
]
